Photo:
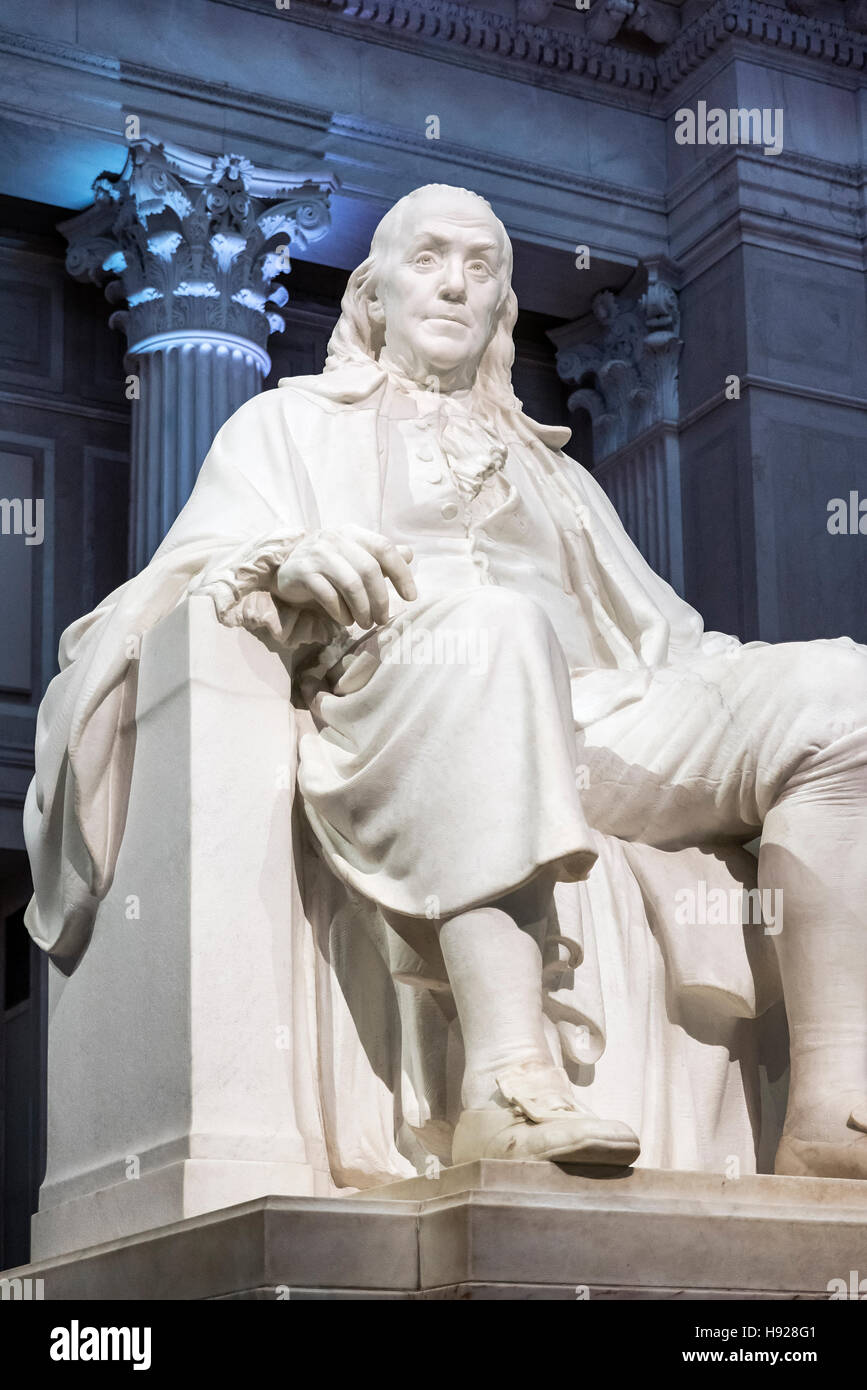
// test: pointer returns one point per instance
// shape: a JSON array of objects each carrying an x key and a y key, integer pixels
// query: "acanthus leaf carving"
[
  {"x": 626, "y": 373},
  {"x": 192, "y": 243}
]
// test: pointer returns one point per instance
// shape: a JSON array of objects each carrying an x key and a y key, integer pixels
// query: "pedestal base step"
[{"x": 497, "y": 1230}]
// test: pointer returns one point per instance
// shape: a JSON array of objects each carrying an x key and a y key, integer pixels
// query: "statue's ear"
[{"x": 376, "y": 313}]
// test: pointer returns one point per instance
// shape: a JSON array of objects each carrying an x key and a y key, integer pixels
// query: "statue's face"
[{"x": 441, "y": 287}]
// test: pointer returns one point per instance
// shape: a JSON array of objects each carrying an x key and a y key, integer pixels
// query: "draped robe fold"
[{"x": 654, "y": 1022}]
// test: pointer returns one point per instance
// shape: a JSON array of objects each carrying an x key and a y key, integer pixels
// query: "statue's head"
[{"x": 436, "y": 292}]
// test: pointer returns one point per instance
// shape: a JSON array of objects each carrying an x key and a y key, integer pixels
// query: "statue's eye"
[
  {"x": 480, "y": 266},
  {"x": 425, "y": 258}
]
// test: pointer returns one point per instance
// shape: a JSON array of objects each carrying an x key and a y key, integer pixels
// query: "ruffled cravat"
[{"x": 474, "y": 453}]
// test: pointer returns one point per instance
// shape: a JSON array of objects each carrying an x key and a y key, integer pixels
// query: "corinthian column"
[
  {"x": 189, "y": 246},
  {"x": 624, "y": 362}
]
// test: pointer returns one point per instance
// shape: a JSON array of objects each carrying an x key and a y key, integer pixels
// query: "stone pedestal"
[
  {"x": 170, "y": 1087},
  {"x": 496, "y": 1230}
]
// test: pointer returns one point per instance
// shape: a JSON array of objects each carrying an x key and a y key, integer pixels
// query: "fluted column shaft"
[{"x": 189, "y": 385}]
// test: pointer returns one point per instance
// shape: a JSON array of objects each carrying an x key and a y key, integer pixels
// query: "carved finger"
[
  {"x": 368, "y": 567},
  {"x": 349, "y": 584},
  {"x": 393, "y": 560},
  {"x": 329, "y": 598}
]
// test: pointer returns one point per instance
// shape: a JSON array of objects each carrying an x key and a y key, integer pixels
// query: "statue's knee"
[
  {"x": 829, "y": 680},
  {"x": 494, "y": 607}
]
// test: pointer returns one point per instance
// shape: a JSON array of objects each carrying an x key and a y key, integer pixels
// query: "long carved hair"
[{"x": 358, "y": 340}]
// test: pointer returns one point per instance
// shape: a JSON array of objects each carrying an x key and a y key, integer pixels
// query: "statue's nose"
[{"x": 453, "y": 283}]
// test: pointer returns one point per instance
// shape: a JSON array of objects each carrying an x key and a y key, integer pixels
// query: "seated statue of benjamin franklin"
[{"x": 466, "y": 622}]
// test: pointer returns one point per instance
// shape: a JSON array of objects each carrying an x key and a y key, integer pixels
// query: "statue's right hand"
[{"x": 343, "y": 571}]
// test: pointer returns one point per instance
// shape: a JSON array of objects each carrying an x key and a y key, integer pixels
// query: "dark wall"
[
  {"x": 64, "y": 430},
  {"x": 759, "y": 472},
  {"x": 23, "y": 1028}
]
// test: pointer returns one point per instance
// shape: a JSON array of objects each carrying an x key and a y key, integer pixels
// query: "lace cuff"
[{"x": 239, "y": 585}]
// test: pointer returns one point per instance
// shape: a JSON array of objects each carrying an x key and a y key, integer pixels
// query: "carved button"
[
  {"x": 448, "y": 511},
  {"x": 425, "y": 454}
]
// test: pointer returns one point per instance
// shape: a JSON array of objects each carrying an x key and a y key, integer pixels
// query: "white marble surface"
[
  {"x": 444, "y": 839},
  {"x": 170, "y": 1083},
  {"x": 496, "y": 1230}
]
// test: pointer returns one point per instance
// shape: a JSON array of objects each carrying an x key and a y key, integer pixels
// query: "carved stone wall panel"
[
  {"x": 713, "y": 328},
  {"x": 56, "y": 404},
  {"x": 819, "y": 118},
  {"x": 17, "y": 481},
  {"x": 810, "y": 582},
  {"x": 105, "y": 513},
  {"x": 26, "y": 569},
  {"x": 81, "y": 473},
  {"x": 807, "y": 330},
  {"x": 745, "y": 200},
  {"x": 31, "y": 337},
  {"x": 807, "y": 199}
]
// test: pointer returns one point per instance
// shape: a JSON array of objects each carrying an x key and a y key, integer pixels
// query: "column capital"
[
  {"x": 623, "y": 359},
  {"x": 194, "y": 242}
]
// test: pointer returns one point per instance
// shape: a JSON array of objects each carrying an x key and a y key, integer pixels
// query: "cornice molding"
[
  {"x": 37, "y": 47},
  {"x": 736, "y": 171},
  {"x": 387, "y": 136},
  {"x": 567, "y": 59},
  {"x": 50, "y": 406},
  {"x": 40, "y": 49},
  {"x": 489, "y": 35},
  {"x": 483, "y": 36},
  {"x": 789, "y": 161},
  {"x": 750, "y": 382},
  {"x": 768, "y": 25},
  {"x": 354, "y": 128}
]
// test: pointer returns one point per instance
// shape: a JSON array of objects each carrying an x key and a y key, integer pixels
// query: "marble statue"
[{"x": 519, "y": 751}]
